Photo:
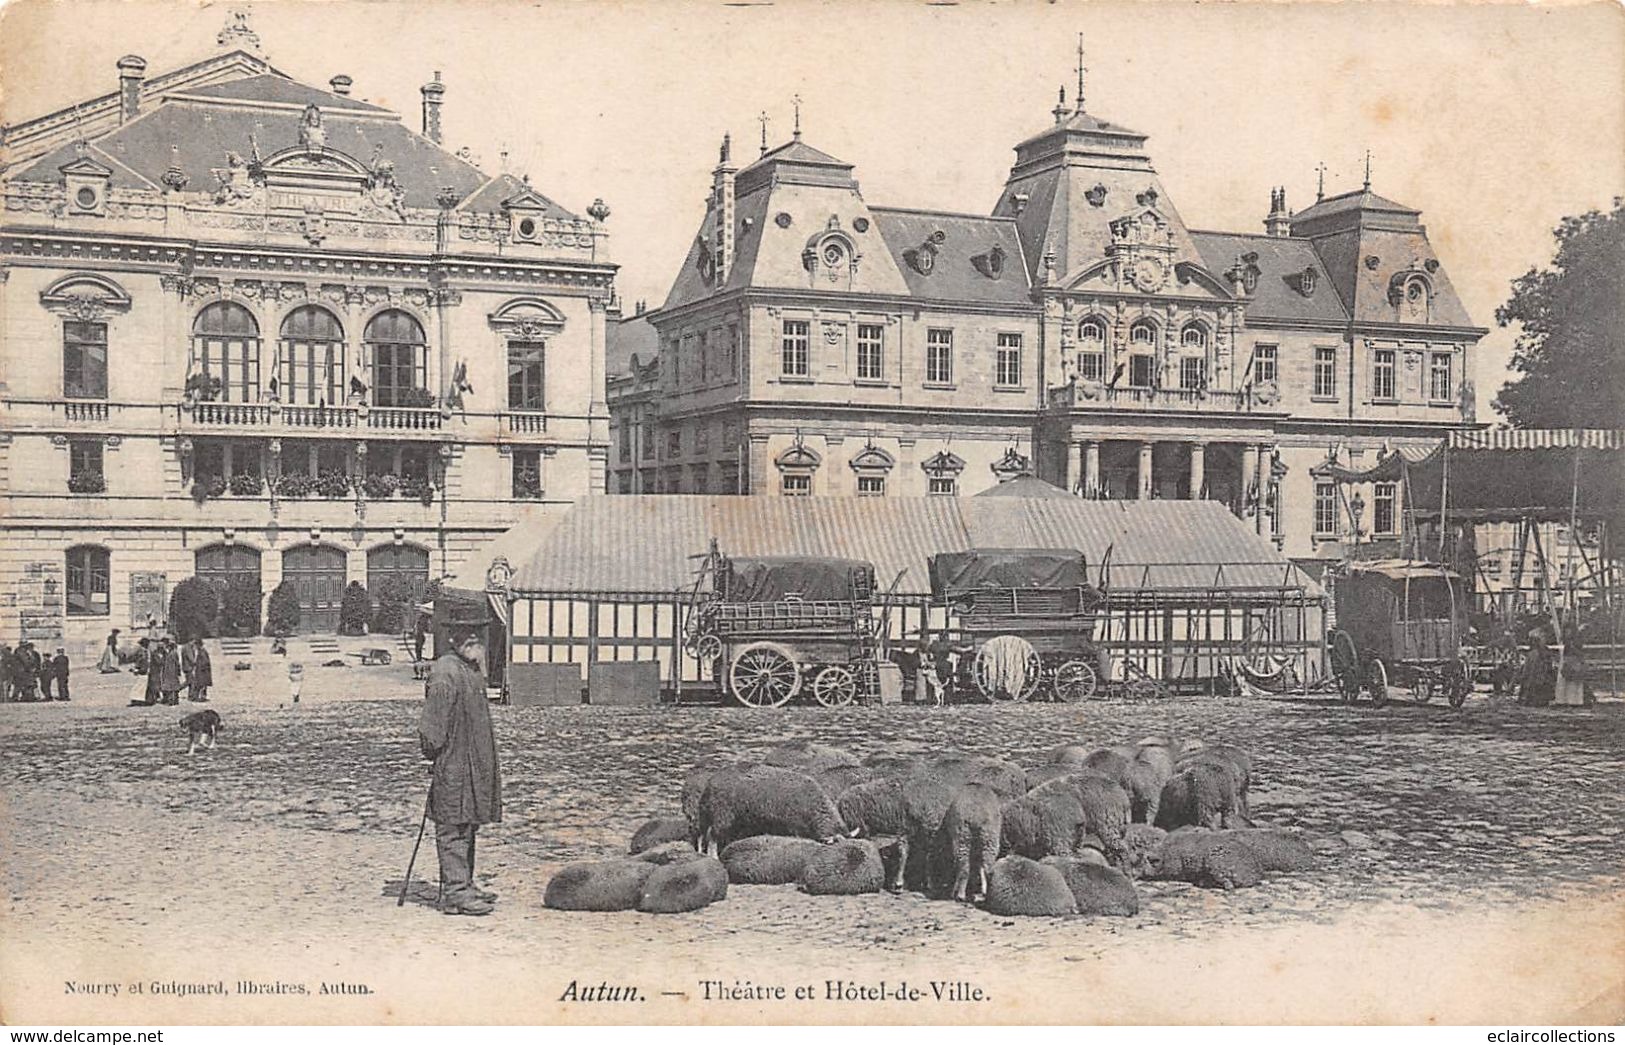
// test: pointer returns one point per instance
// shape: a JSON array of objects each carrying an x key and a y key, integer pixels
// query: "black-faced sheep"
[
  {"x": 601, "y": 885},
  {"x": 1097, "y": 889},
  {"x": 768, "y": 859},
  {"x": 845, "y": 868},
  {"x": 1007, "y": 778},
  {"x": 685, "y": 886},
  {"x": 967, "y": 843},
  {"x": 1211, "y": 859},
  {"x": 1019, "y": 886},
  {"x": 669, "y": 853},
  {"x": 660, "y": 831},
  {"x": 1203, "y": 794},
  {"x": 766, "y": 800},
  {"x": 1222, "y": 755},
  {"x": 808, "y": 756},
  {"x": 909, "y": 810}
]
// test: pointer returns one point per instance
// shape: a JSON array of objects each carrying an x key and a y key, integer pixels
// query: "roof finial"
[
  {"x": 727, "y": 146},
  {"x": 762, "y": 119},
  {"x": 796, "y": 101},
  {"x": 238, "y": 35},
  {"x": 1368, "y": 170},
  {"x": 1079, "y": 98},
  {"x": 1320, "y": 188},
  {"x": 1060, "y": 111}
]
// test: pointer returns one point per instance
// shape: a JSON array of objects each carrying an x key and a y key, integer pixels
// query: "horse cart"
[
  {"x": 1400, "y": 623},
  {"x": 772, "y": 628},
  {"x": 1028, "y": 618}
]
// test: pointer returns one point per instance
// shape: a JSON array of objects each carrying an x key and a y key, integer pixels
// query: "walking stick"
[{"x": 407, "y": 884}]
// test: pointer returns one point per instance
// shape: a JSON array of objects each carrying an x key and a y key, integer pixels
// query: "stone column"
[
  {"x": 1091, "y": 468},
  {"x": 1074, "y": 467},
  {"x": 1145, "y": 470},
  {"x": 1262, "y": 463},
  {"x": 1249, "y": 480},
  {"x": 1198, "y": 469}
]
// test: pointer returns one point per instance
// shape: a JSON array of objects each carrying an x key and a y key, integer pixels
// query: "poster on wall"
[
  {"x": 148, "y": 599},
  {"x": 39, "y": 603}
]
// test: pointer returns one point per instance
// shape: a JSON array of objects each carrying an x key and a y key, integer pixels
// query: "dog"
[{"x": 202, "y": 726}]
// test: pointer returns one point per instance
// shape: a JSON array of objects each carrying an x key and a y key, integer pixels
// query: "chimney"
[
  {"x": 1279, "y": 221},
  {"x": 341, "y": 84},
  {"x": 132, "y": 69},
  {"x": 722, "y": 191},
  {"x": 433, "y": 93}
]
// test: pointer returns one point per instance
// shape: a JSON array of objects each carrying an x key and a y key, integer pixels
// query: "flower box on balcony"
[
  {"x": 208, "y": 487},
  {"x": 333, "y": 485},
  {"x": 247, "y": 484},
  {"x": 295, "y": 485},
  {"x": 380, "y": 486},
  {"x": 417, "y": 488},
  {"x": 87, "y": 482}
]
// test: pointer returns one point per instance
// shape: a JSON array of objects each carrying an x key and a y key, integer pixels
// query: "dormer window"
[{"x": 1306, "y": 282}]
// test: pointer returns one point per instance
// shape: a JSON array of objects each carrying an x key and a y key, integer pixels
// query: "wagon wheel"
[
  {"x": 1458, "y": 683},
  {"x": 835, "y": 686},
  {"x": 707, "y": 651},
  {"x": 1345, "y": 665},
  {"x": 982, "y": 670},
  {"x": 1376, "y": 681},
  {"x": 1075, "y": 680},
  {"x": 764, "y": 675}
]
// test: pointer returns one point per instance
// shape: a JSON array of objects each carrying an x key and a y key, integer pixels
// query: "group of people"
[
  {"x": 28, "y": 675},
  {"x": 929, "y": 670},
  {"x": 168, "y": 668}
]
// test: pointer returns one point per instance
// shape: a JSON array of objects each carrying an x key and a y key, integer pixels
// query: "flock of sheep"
[{"x": 1069, "y": 837}]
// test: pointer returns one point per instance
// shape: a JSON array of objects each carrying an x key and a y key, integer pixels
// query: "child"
[{"x": 296, "y": 679}]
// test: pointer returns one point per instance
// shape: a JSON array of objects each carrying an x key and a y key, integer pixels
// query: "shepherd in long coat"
[
  {"x": 199, "y": 671},
  {"x": 466, "y": 787},
  {"x": 167, "y": 666}
]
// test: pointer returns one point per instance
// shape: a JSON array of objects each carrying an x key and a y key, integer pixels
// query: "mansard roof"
[
  {"x": 977, "y": 259},
  {"x": 1282, "y": 262}
]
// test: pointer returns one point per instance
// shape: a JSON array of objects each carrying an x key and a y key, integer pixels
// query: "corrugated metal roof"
[{"x": 650, "y": 543}]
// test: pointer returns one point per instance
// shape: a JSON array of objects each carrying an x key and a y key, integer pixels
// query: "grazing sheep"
[
  {"x": 1070, "y": 755},
  {"x": 766, "y": 800},
  {"x": 694, "y": 784},
  {"x": 1107, "y": 761},
  {"x": 1223, "y": 755},
  {"x": 1210, "y": 859},
  {"x": 909, "y": 810},
  {"x": 1007, "y": 778},
  {"x": 768, "y": 859},
  {"x": 837, "y": 779},
  {"x": 1048, "y": 822},
  {"x": 1159, "y": 754},
  {"x": 845, "y": 868},
  {"x": 1140, "y": 780},
  {"x": 1097, "y": 889},
  {"x": 685, "y": 886},
  {"x": 1106, "y": 810},
  {"x": 669, "y": 853},
  {"x": 896, "y": 766},
  {"x": 967, "y": 843},
  {"x": 601, "y": 885},
  {"x": 1044, "y": 774},
  {"x": 1201, "y": 795},
  {"x": 808, "y": 757},
  {"x": 1019, "y": 886},
  {"x": 1139, "y": 842},
  {"x": 658, "y": 832}
]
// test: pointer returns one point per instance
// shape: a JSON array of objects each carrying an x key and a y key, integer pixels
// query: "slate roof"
[
  {"x": 632, "y": 336},
  {"x": 1359, "y": 199},
  {"x": 490, "y": 197},
  {"x": 960, "y": 271},
  {"x": 1281, "y": 260},
  {"x": 268, "y": 87}
]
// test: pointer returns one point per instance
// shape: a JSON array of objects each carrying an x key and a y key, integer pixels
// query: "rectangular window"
[
  {"x": 943, "y": 486},
  {"x": 527, "y": 475},
  {"x": 648, "y": 440},
  {"x": 526, "y": 371},
  {"x": 1382, "y": 374},
  {"x": 1440, "y": 388},
  {"x": 939, "y": 357},
  {"x": 1325, "y": 372},
  {"x": 85, "y": 473},
  {"x": 84, "y": 360},
  {"x": 702, "y": 363},
  {"x": 626, "y": 442},
  {"x": 1264, "y": 359},
  {"x": 1092, "y": 366},
  {"x": 1382, "y": 508},
  {"x": 1142, "y": 370},
  {"x": 674, "y": 443},
  {"x": 1325, "y": 509},
  {"x": 871, "y": 351},
  {"x": 796, "y": 486},
  {"x": 1007, "y": 365},
  {"x": 702, "y": 438},
  {"x": 731, "y": 373},
  {"x": 871, "y": 486},
  {"x": 793, "y": 358},
  {"x": 1192, "y": 374},
  {"x": 88, "y": 586}
]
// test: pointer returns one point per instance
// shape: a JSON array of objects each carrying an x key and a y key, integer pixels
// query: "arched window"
[
  {"x": 1092, "y": 349},
  {"x": 226, "y": 347},
  {"x": 1193, "y": 338},
  {"x": 310, "y": 362},
  {"x": 88, "y": 582},
  {"x": 1143, "y": 333},
  {"x": 396, "y": 352},
  {"x": 1142, "y": 360}
]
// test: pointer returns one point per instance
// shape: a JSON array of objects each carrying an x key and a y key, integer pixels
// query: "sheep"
[
  {"x": 766, "y": 800},
  {"x": 845, "y": 868},
  {"x": 908, "y": 810},
  {"x": 668, "y": 853},
  {"x": 1141, "y": 780},
  {"x": 658, "y": 832},
  {"x": 807, "y": 756},
  {"x": 837, "y": 779},
  {"x": 1139, "y": 842},
  {"x": 1201, "y": 795},
  {"x": 684, "y": 886},
  {"x": 1044, "y": 774},
  {"x": 1048, "y": 822},
  {"x": 1159, "y": 754},
  {"x": 895, "y": 766},
  {"x": 1210, "y": 859},
  {"x": 1007, "y": 778},
  {"x": 1276, "y": 850},
  {"x": 601, "y": 885},
  {"x": 1071, "y": 755},
  {"x": 1224, "y": 755},
  {"x": 694, "y": 785},
  {"x": 1097, "y": 889},
  {"x": 967, "y": 842},
  {"x": 1019, "y": 886},
  {"x": 1106, "y": 810},
  {"x": 768, "y": 859}
]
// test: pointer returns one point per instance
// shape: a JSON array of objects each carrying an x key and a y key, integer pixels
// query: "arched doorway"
[
  {"x": 234, "y": 572},
  {"x": 396, "y": 577},
  {"x": 317, "y": 574}
]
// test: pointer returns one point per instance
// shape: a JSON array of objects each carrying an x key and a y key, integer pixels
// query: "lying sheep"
[
  {"x": 660, "y": 831},
  {"x": 1007, "y": 778},
  {"x": 768, "y": 859},
  {"x": 1276, "y": 850},
  {"x": 845, "y": 868},
  {"x": 1201, "y": 795},
  {"x": 1139, "y": 842},
  {"x": 967, "y": 843},
  {"x": 686, "y": 886},
  {"x": 669, "y": 853},
  {"x": 766, "y": 800},
  {"x": 1019, "y": 886},
  {"x": 1210, "y": 859},
  {"x": 1096, "y": 889},
  {"x": 909, "y": 810},
  {"x": 808, "y": 756},
  {"x": 1228, "y": 755},
  {"x": 601, "y": 885}
]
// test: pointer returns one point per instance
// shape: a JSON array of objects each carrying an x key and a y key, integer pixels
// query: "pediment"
[
  {"x": 306, "y": 162},
  {"x": 527, "y": 199},
  {"x": 85, "y": 167}
]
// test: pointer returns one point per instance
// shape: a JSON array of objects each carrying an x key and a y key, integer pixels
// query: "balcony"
[
  {"x": 1093, "y": 395},
  {"x": 280, "y": 417},
  {"x": 524, "y": 423}
]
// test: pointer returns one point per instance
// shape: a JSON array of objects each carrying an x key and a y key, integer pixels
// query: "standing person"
[
  {"x": 108, "y": 665},
  {"x": 46, "y": 672},
  {"x": 25, "y": 671},
  {"x": 5, "y": 672},
  {"x": 168, "y": 670},
  {"x": 296, "y": 680},
  {"x": 466, "y": 787},
  {"x": 59, "y": 668},
  {"x": 200, "y": 676},
  {"x": 420, "y": 631},
  {"x": 143, "y": 656}
]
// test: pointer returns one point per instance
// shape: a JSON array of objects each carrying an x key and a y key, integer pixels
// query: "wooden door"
[{"x": 317, "y": 574}]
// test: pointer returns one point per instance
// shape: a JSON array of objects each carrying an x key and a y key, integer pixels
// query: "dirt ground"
[{"x": 1469, "y": 871}]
